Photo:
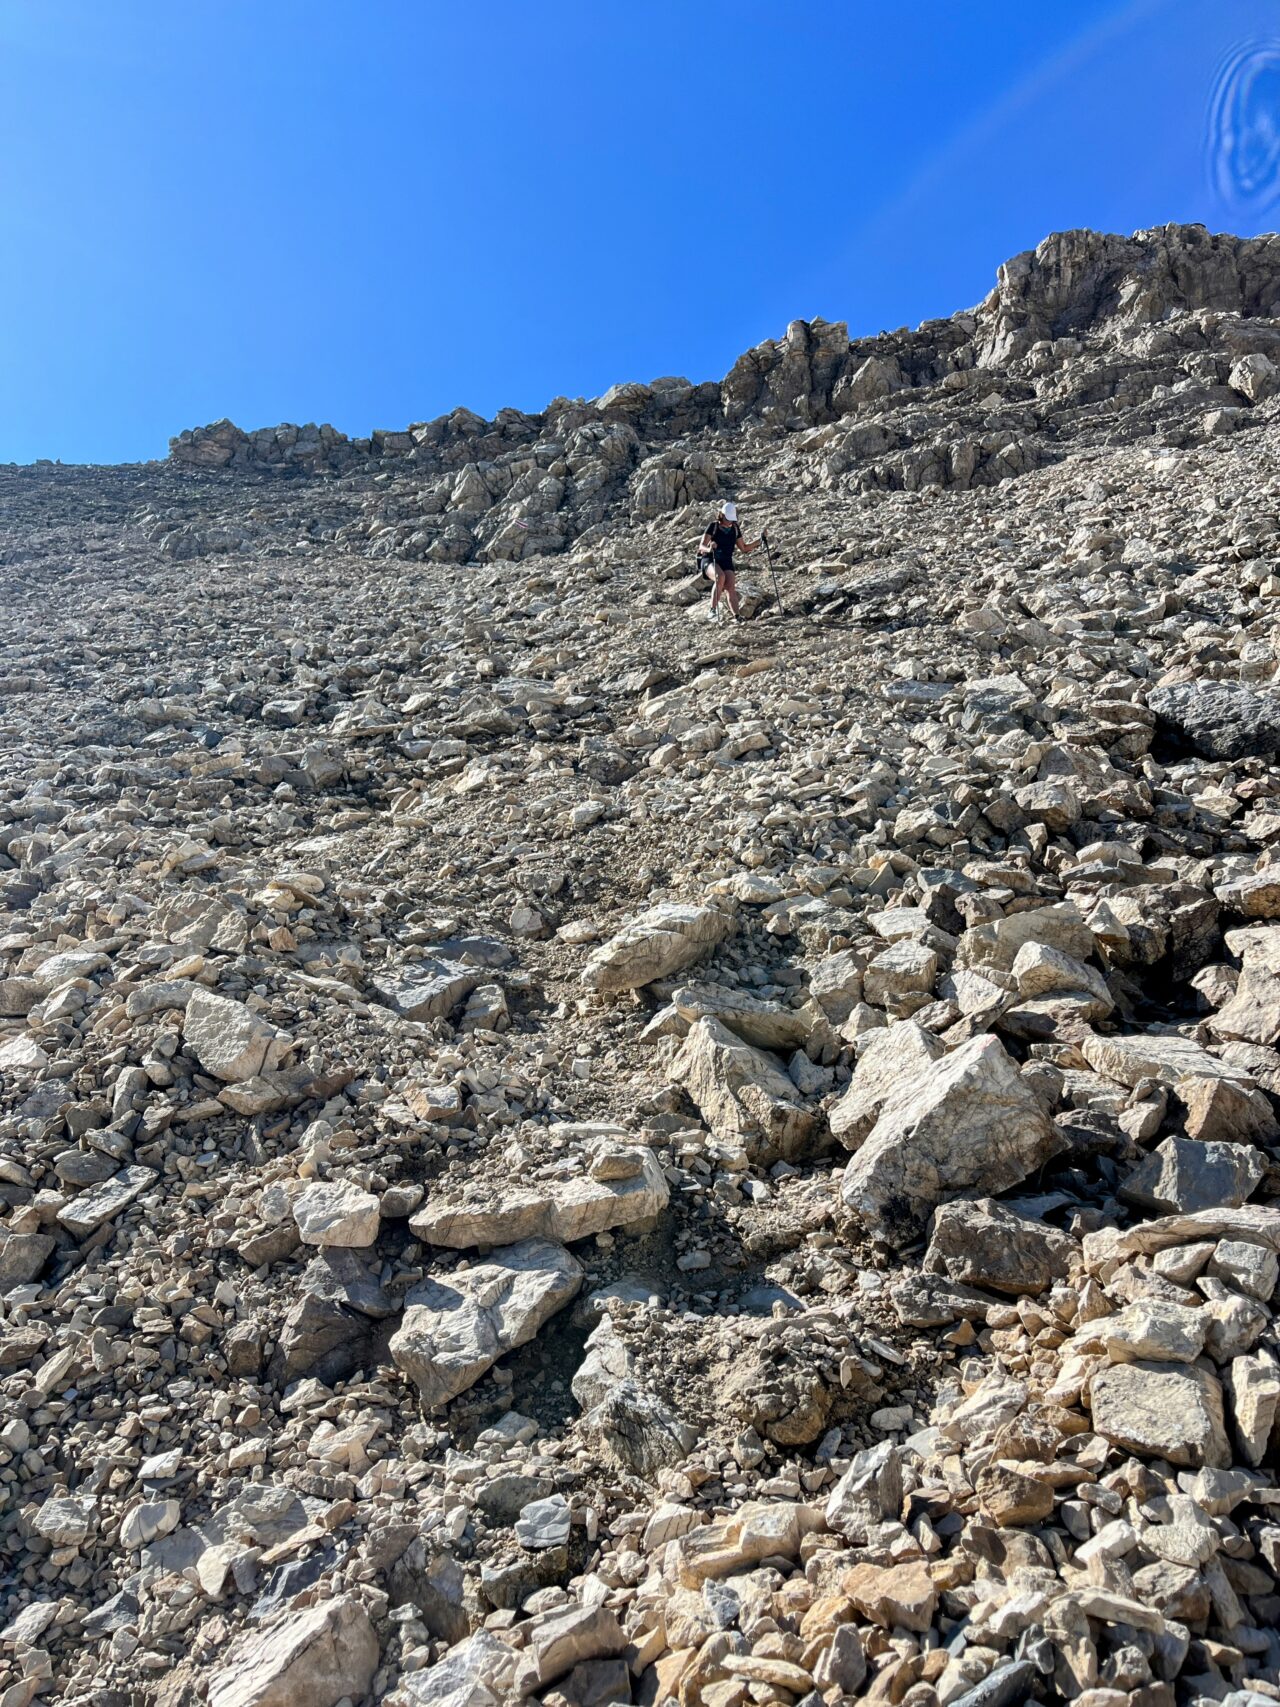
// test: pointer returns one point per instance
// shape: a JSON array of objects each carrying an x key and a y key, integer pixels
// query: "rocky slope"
[{"x": 554, "y": 1151}]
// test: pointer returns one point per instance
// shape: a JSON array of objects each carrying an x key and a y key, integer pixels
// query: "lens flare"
[{"x": 1242, "y": 132}]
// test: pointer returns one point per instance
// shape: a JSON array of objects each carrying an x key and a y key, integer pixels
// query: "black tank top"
[{"x": 724, "y": 537}]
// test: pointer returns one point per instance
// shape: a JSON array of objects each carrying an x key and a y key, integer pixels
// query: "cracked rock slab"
[
  {"x": 969, "y": 1123},
  {"x": 562, "y": 1210}
]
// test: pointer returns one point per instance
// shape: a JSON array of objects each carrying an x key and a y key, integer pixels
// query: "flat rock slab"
[
  {"x": 1221, "y": 1101},
  {"x": 456, "y": 1327},
  {"x": 666, "y": 939},
  {"x": 1257, "y": 1224},
  {"x": 968, "y": 1123},
  {"x": 1163, "y": 1410},
  {"x": 1218, "y": 720},
  {"x": 765, "y": 1025},
  {"x": 87, "y": 1212},
  {"x": 562, "y": 1210},
  {"x": 430, "y": 989}
]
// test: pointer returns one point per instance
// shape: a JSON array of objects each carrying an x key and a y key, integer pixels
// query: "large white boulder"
[
  {"x": 229, "y": 1041},
  {"x": 966, "y": 1125},
  {"x": 890, "y": 1058},
  {"x": 742, "y": 1093},
  {"x": 457, "y": 1326},
  {"x": 666, "y": 939},
  {"x": 308, "y": 1658}
]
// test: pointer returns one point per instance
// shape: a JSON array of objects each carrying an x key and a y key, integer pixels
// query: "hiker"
[{"x": 720, "y": 541}]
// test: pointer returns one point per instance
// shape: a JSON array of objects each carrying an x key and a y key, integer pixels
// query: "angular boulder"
[
  {"x": 664, "y": 940},
  {"x": 1182, "y": 1175},
  {"x": 309, "y": 1658},
  {"x": 742, "y": 1094},
  {"x": 765, "y": 1025},
  {"x": 457, "y": 1326},
  {"x": 996, "y": 943},
  {"x": 890, "y": 1058},
  {"x": 984, "y": 1244},
  {"x": 1162, "y": 1410},
  {"x": 229, "y": 1041},
  {"x": 1221, "y": 1101},
  {"x": 969, "y": 1123},
  {"x": 335, "y": 1212},
  {"x": 1218, "y": 720}
]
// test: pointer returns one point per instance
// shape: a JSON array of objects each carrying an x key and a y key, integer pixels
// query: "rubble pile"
[{"x": 552, "y": 1151}]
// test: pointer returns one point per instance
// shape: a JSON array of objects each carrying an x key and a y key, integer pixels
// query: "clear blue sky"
[{"x": 371, "y": 211}]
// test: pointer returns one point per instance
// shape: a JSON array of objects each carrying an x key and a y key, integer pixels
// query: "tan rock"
[
  {"x": 967, "y": 1125},
  {"x": 892, "y": 1594},
  {"x": 1162, "y": 1410},
  {"x": 308, "y": 1658},
  {"x": 1009, "y": 1497}
]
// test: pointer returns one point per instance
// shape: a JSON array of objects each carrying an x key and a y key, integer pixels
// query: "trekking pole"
[{"x": 768, "y": 551}]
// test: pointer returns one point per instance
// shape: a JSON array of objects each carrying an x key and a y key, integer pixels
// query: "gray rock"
[
  {"x": 309, "y": 1658},
  {"x": 101, "y": 1203},
  {"x": 457, "y": 1326},
  {"x": 22, "y": 1257},
  {"x": 1181, "y": 1176},
  {"x": 1218, "y": 720},
  {"x": 984, "y": 1244}
]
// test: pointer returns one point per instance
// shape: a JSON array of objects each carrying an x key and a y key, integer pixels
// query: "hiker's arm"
[{"x": 706, "y": 542}]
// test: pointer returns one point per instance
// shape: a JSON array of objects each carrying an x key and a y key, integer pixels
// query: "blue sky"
[{"x": 371, "y": 213}]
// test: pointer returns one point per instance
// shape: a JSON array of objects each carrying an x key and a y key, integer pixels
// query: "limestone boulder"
[
  {"x": 1220, "y": 1101},
  {"x": 968, "y": 1124},
  {"x": 228, "y": 1040},
  {"x": 335, "y": 1212},
  {"x": 1162, "y": 1410},
  {"x": 664, "y": 940},
  {"x": 890, "y": 1058},
  {"x": 314, "y": 1657},
  {"x": 764, "y": 1024},
  {"x": 456, "y": 1326},
  {"x": 743, "y": 1094},
  {"x": 981, "y": 1243}
]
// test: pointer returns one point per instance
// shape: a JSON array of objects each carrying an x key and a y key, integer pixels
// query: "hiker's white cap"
[{"x": 729, "y": 511}]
